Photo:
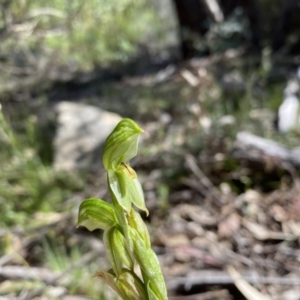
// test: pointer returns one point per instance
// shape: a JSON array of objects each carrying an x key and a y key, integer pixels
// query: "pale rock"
[
  {"x": 227, "y": 120},
  {"x": 81, "y": 132},
  {"x": 292, "y": 294}
]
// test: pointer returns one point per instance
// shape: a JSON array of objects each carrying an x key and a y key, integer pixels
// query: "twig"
[
  {"x": 190, "y": 77},
  {"x": 204, "y": 180},
  {"x": 213, "y": 295},
  {"x": 55, "y": 280},
  {"x": 212, "y": 277},
  {"x": 27, "y": 273},
  {"x": 244, "y": 287}
]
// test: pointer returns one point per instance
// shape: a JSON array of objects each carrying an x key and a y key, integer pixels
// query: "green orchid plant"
[{"x": 125, "y": 234}]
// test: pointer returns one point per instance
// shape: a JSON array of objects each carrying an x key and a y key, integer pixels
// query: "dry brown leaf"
[
  {"x": 175, "y": 241},
  {"x": 229, "y": 226},
  {"x": 291, "y": 227},
  {"x": 177, "y": 269},
  {"x": 262, "y": 233},
  {"x": 194, "y": 229},
  {"x": 278, "y": 213},
  {"x": 197, "y": 214}
]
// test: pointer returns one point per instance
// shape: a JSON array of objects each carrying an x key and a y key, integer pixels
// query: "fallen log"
[
  {"x": 215, "y": 277},
  {"x": 257, "y": 149}
]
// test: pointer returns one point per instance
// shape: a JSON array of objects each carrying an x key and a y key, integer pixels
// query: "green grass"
[
  {"x": 58, "y": 257},
  {"x": 27, "y": 184},
  {"x": 82, "y": 33}
]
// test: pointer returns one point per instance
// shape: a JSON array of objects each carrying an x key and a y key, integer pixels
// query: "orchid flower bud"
[
  {"x": 96, "y": 214},
  {"x": 150, "y": 266},
  {"x": 121, "y": 145},
  {"x": 116, "y": 249}
]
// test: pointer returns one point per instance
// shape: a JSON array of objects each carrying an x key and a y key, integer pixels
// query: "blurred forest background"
[{"x": 219, "y": 165}]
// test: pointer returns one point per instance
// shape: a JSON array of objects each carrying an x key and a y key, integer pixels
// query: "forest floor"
[{"x": 224, "y": 213}]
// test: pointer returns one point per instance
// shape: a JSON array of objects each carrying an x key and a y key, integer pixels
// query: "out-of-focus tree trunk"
[
  {"x": 192, "y": 18},
  {"x": 288, "y": 21},
  {"x": 252, "y": 10},
  {"x": 195, "y": 17}
]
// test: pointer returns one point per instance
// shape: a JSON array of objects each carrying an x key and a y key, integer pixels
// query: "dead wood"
[
  {"x": 214, "y": 277},
  {"x": 27, "y": 273},
  {"x": 255, "y": 148},
  {"x": 213, "y": 295}
]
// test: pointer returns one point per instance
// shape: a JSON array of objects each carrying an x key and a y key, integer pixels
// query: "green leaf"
[
  {"x": 96, "y": 214},
  {"x": 122, "y": 223},
  {"x": 121, "y": 145},
  {"x": 128, "y": 286},
  {"x": 131, "y": 285},
  {"x": 110, "y": 279},
  {"x": 117, "y": 252},
  {"x": 136, "y": 222},
  {"x": 127, "y": 188},
  {"x": 134, "y": 193},
  {"x": 117, "y": 187},
  {"x": 151, "y": 294},
  {"x": 150, "y": 266}
]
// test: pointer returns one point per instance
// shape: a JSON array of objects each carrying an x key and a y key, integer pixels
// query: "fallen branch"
[
  {"x": 204, "y": 185},
  {"x": 244, "y": 287},
  {"x": 213, "y": 295},
  {"x": 254, "y": 148},
  {"x": 214, "y": 277}
]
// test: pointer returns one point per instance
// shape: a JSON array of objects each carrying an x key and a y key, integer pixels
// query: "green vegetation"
[
  {"x": 78, "y": 33},
  {"x": 27, "y": 185},
  {"x": 125, "y": 235},
  {"x": 51, "y": 48}
]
